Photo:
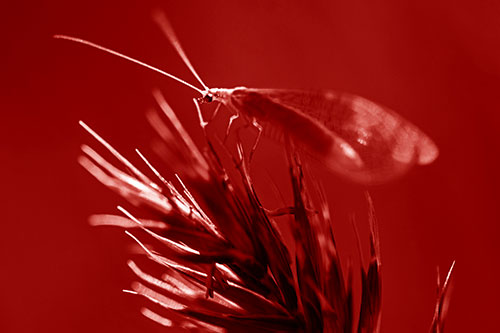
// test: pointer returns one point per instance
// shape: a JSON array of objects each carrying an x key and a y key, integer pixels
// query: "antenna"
[
  {"x": 165, "y": 26},
  {"x": 118, "y": 54}
]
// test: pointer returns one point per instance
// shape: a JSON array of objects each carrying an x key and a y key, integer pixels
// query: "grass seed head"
[{"x": 225, "y": 265}]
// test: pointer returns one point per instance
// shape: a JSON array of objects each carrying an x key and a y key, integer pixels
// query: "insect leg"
[
  {"x": 204, "y": 123},
  {"x": 231, "y": 121},
  {"x": 288, "y": 211},
  {"x": 215, "y": 112},
  {"x": 259, "y": 128},
  {"x": 209, "y": 283}
]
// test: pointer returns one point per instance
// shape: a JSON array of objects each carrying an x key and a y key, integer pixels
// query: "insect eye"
[
  {"x": 208, "y": 98},
  {"x": 205, "y": 99}
]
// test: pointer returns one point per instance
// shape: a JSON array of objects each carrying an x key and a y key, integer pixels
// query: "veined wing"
[{"x": 387, "y": 144}]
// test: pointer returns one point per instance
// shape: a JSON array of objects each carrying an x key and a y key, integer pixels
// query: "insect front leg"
[{"x": 204, "y": 123}]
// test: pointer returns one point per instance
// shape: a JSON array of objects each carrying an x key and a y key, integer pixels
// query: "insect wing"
[{"x": 387, "y": 143}]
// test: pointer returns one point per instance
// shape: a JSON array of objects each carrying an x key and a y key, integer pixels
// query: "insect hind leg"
[
  {"x": 248, "y": 123},
  {"x": 291, "y": 210},
  {"x": 259, "y": 128}
]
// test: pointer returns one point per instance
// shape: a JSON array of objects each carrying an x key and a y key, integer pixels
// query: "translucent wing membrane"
[{"x": 379, "y": 143}]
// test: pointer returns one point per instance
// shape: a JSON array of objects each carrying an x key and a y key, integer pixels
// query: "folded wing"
[{"x": 387, "y": 144}]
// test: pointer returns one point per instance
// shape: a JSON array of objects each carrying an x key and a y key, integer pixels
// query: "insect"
[{"x": 356, "y": 138}]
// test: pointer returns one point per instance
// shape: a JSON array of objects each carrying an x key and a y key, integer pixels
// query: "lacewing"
[{"x": 356, "y": 138}]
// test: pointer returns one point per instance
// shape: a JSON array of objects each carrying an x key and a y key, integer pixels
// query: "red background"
[{"x": 436, "y": 62}]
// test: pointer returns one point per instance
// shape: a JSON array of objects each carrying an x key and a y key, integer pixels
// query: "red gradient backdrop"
[{"x": 436, "y": 62}]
